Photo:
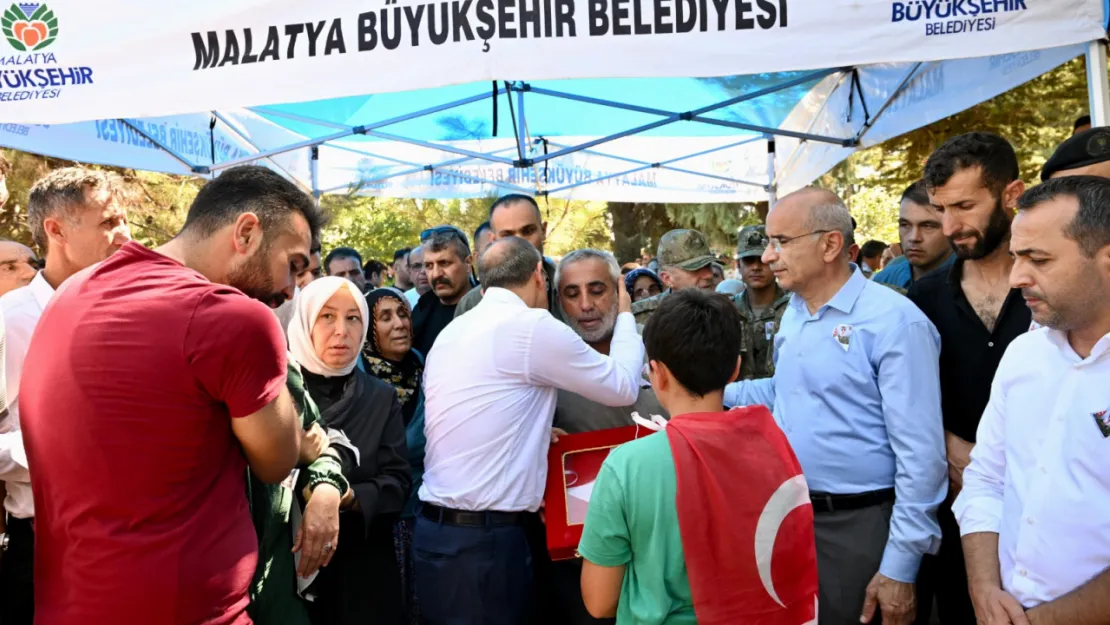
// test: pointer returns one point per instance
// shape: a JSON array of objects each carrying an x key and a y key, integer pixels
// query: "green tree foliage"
[
  {"x": 378, "y": 226},
  {"x": 1034, "y": 117}
]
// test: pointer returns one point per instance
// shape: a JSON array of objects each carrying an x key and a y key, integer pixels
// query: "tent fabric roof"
[{"x": 687, "y": 116}]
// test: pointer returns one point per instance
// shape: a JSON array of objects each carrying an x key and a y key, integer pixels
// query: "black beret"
[{"x": 1086, "y": 148}]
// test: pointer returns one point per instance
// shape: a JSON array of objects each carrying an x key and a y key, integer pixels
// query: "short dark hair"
[
  {"x": 993, "y": 155},
  {"x": 401, "y": 253},
  {"x": 256, "y": 189},
  {"x": 872, "y": 248},
  {"x": 372, "y": 267},
  {"x": 513, "y": 198},
  {"x": 508, "y": 262},
  {"x": 916, "y": 193},
  {"x": 1091, "y": 226},
  {"x": 63, "y": 192},
  {"x": 697, "y": 335},
  {"x": 443, "y": 240},
  {"x": 1084, "y": 120},
  {"x": 482, "y": 227},
  {"x": 340, "y": 253}
]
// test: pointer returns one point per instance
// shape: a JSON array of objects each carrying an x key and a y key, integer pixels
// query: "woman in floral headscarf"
[{"x": 389, "y": 356}]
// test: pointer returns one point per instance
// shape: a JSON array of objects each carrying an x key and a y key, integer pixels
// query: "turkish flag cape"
[{"x": 745, "y": 518}]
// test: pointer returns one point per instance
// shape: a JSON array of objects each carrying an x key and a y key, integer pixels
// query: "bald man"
[
  {"x": 16, "y": 265},
  {"x": 846, "y": 350}
]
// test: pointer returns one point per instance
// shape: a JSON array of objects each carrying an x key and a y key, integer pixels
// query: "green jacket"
[
  {"x": 757, "y": 334},
  {"x": 642, "y": 309},
  {"x": 273, "y": 591}
]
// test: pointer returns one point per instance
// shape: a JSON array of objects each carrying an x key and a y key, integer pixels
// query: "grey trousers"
[{"x": 850, "y": 548}]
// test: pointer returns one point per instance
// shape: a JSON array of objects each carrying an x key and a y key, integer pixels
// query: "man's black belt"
[
  {"x": 468, "y": 518},
  {"x": 827, "y": 502}
]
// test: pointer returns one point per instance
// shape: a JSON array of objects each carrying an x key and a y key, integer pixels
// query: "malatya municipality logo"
[{"x": 29, "y": 27}]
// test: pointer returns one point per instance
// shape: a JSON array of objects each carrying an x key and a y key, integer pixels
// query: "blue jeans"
[{"x": 472, "y": 575}]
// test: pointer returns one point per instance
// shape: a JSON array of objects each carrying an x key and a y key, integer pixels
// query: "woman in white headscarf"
[{"x": 362, "y": 583}]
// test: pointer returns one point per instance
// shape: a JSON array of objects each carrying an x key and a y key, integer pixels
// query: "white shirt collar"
[
  {"x": 504, "y": 296},
  {"x": 41, "y": 289},
  {"x": 1059, "y": 339}
]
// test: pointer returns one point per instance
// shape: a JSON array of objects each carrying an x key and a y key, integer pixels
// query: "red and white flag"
[{"x": 745, "y": 518}]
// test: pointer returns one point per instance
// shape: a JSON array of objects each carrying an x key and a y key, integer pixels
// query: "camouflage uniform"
[
  {"x": 685, "y": 249},
  {"x": 757, "y": 331}
]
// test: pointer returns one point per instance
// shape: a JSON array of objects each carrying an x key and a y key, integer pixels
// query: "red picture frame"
[{"x": 572, "y": 466}]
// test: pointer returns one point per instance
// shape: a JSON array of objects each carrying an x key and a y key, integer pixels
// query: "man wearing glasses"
[
  {"x": 856, "y": 389},
  {"x": 447, "y": 261}
]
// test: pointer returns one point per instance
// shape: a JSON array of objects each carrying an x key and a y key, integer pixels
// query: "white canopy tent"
[{"x": 621, "y": 100}]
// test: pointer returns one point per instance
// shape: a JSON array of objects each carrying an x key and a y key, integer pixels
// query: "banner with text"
[{"x": 66, "y": 60}]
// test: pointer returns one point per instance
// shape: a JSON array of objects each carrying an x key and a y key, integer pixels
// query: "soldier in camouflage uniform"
[
  {"x": 684, "y": 263},
  {"x": 761, "y": 317}
]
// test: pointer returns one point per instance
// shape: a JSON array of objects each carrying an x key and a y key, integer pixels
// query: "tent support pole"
[
  {"x": 521, "y": 129},
  {"x": 314, "y": 171},
  {"x": 162, "y": 146},
  {"x": 771, "y": 199},
  {"x": 1098, "y": 91}
]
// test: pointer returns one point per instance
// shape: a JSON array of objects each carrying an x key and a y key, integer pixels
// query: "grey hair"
[
  {"x": 508, "y": 262},
  {"x": 1090, "y": 227},
  {"x": 578, "y": 256},
  {"x": 63, "y": 192},
  {"x": 833, "y": 217},
  {"x": 441, "y": 241}
]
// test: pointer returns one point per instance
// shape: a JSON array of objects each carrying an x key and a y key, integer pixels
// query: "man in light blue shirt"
[
  {"x": 924, "y": 246},
  {"x": 857, "y": 391}
]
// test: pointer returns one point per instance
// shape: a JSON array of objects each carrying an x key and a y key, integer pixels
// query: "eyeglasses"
[
  {"x": 780, "y": 242},
  {"x": 448, "y": 230}
]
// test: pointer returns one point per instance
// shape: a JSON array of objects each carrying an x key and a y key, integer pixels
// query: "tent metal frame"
[
  {"x": 1098, "y": 89},
  {"x": 522, "y": 141}
]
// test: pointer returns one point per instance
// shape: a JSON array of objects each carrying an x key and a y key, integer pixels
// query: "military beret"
[{"x": 1086, "y": 148}]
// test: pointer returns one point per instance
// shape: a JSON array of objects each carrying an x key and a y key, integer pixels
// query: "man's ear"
[
  {"x": 736, "y": 371},
  {"x": 1011, "y": 194},
  {"x": 659, "y": 375},
  {"x": 247, "y": 233}
]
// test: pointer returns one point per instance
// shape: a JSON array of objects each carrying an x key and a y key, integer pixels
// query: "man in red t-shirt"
[{"x": 151, "y": 382}]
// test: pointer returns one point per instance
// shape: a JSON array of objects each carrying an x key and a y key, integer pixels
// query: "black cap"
[{"x": 1086, "y": 148}]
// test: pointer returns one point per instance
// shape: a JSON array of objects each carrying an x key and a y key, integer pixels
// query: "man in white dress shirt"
[
  {"x": 78, "y": 218},
  {"x": 490, "y": 389},
  {"x": 1034, "y": 512}
]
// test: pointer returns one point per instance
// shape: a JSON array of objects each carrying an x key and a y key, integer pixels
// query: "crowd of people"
[{"x": 233, "y": 428}]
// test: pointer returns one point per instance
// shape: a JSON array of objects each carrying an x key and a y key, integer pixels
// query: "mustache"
[
  {"x": 1030, "y": 293},
  {"x": 443, "y": 281}
]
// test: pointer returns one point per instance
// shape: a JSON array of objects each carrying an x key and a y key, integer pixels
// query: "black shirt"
[
  {"x": 429, "y": 318},
  {"x": 969, "y": 353}
]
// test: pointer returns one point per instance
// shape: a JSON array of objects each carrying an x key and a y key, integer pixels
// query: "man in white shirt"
[
  {"x": 77, "y": 216},
  {"x": 490, "y": 390},
  {"x": 1034, "y": 511}
]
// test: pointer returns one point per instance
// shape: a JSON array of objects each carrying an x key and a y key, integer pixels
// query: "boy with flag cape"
[{"x": 708, "y": 521}]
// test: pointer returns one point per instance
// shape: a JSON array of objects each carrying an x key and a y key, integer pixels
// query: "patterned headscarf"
[{"x": 404, "y": 375}]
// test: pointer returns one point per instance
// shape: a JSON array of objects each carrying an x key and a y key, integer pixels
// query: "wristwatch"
[{"x": 3, "y": 541}]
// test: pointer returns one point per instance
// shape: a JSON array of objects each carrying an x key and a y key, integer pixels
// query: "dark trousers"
[
  {"x": 850, "y": 546},
  {"x": 943, "y": 577},
  {"x": 558, "y": 584},
  {"x": 17, "y": 575},
  {"x": 472, "y": 575}
]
